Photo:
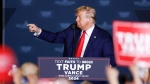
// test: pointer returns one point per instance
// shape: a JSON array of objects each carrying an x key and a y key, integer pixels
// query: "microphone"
[
  {"x": 73, "y": 26},
  {"x": 74, "y": 38}
]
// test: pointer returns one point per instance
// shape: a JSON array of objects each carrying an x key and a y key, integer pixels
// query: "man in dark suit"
[{"x": 97, "y": 42}]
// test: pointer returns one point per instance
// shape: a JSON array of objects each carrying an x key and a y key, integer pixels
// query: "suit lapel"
[{"x": 91, "y": 42}]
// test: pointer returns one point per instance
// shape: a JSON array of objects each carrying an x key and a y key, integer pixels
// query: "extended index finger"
[{"x": 30, "y": 24}]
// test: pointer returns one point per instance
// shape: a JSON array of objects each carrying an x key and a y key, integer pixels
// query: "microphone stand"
[{"x": 74, "y": 38}]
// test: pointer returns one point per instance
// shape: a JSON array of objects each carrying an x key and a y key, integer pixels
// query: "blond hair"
[{"x": 90, "y": 12}]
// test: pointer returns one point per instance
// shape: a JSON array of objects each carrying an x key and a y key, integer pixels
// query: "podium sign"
[
  {"x": 131, "y": 42},
  {"x": 73, "y": 68}
]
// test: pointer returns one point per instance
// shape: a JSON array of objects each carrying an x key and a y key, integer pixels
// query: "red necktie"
[{"x": 80, "y": 45}]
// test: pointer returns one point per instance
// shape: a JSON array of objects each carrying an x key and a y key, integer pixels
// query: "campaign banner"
[
  {"x": 73, "y": 68},
  {"x": 131, "y": 42}
]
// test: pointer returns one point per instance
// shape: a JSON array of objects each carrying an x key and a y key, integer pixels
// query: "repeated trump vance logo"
[
  {"x": 65, "y": 2},
  {"x": 26, "y": 2},
  {"x": 143, "y": 3},
  {"x": 104, "y": 3},
  {"x": 73, "y": 68}
]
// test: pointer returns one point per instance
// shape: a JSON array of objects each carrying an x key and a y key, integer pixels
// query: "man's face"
[{"x": 82, "y": 20}]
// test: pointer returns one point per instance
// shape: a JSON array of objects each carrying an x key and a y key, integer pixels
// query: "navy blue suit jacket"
[{"x": 100, "y": 43}]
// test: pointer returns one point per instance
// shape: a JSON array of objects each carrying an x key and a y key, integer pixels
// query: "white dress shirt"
[{"x": 86, "y": 40}]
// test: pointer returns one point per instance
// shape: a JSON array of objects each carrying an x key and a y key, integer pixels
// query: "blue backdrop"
[{"x": 56, "y": 15}]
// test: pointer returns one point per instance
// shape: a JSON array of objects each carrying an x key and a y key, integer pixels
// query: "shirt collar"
[{"x": 89, "y": 31}]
